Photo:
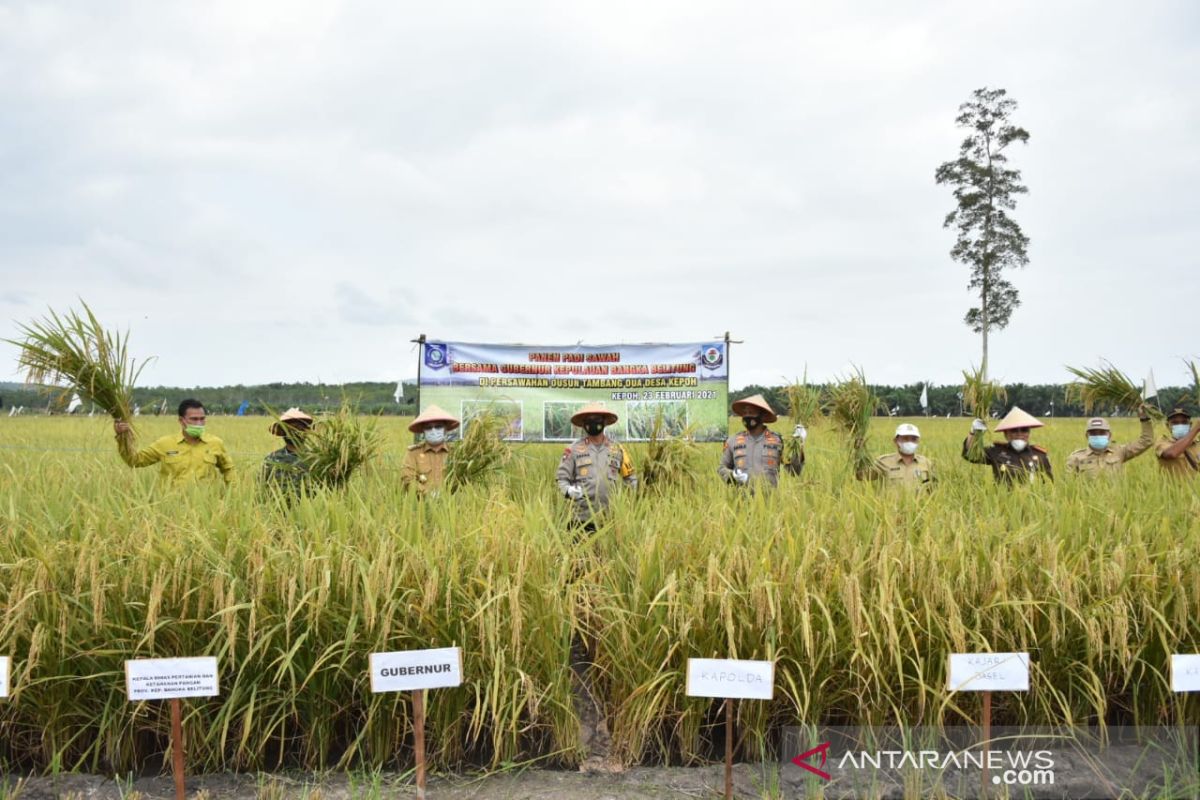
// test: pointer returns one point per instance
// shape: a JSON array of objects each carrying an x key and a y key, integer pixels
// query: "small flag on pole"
[
  {"x": 74, "y": 405},
  {"x": 1149, "y": 391},
  {"x": 925, "y": 397},
  {"x": 399, "y": 394}
]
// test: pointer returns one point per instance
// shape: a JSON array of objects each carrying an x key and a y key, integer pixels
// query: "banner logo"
[
  {"x": 435, "y": 355},
  {"x": 712, "y": 356}
]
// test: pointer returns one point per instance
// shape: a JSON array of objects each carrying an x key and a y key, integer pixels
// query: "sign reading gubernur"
[
  {"x": 171, "y": 678},
  {"x": 730, "y": 678},
  {"x": 411, "y": 670},
  {"x": 988, "y": 672}
]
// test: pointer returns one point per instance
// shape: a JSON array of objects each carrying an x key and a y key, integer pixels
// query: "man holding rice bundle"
[
  {"x": 1015, "y": 459},
  {"x": 424, "y": 467},
  {"x": 753, "y": 457},
  {"x": 1178, "y": 451},
  {"x": 188, "y": 456},
  {"x": 904, "y": 467},
  {"x": 593, "y": 467},
  {"x": 284, "y": 469},
  {"x": 1101, "y": 456}
]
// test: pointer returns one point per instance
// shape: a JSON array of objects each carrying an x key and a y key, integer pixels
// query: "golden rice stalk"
[
  {"x": 670, "y": 460},
  {"x": 851, "y": 404},
  {"x": 979, "y": 395},
  {"x": 339, "y": 444},
  {"x": 74, "y": 353},
  {"x": 804, "y": 405},
  {"x": 481, "y": 455},
  {"x": 1106, "y": 388}
]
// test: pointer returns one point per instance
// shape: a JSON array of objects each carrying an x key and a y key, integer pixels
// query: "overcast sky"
[{"x": 292, "y": 191}]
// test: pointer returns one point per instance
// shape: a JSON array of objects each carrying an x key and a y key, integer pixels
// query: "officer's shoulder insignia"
[
  {"x": 566, "y": 452},
  {"x": 414, "y": 447},
  {"x": 1038, "y": 448}
]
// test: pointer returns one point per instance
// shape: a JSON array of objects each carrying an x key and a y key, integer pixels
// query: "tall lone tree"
[{"x": 989, "y": 240}]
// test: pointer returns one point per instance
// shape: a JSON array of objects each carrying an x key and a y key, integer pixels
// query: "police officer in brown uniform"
[
  {"x": 753, "y": 457},
  {"x": 1014, "y": 460},
  {"x": 903, "y": 467},
  {"x": 593, "y": 467},
  {"x": 1101, "y": 456},
  {"x": 1178, "y": 451},
  {"x": 425, "y": 462}
]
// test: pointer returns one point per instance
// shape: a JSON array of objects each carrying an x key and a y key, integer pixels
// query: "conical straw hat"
[
  {"x": 433, "y": 414},
  {"x": 755, "y": 403},
  {"x": 593, "y": 409},
  {"x": 295, "y": 416},
  {"x": 1018, "y": 419}
]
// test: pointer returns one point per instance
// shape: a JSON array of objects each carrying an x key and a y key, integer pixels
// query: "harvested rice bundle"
[
  {"x": 804, "y": 406},
  {"x": 979, "y": 395},
  {"x": 670, "y": 460},
  {"x": 74, "y": 353},
  {"x": 851, "y": 404},
  {"x": 338, "y": 445},
  {"x": 1106, "y": 389},
  {"x": 482, "y": 454}
]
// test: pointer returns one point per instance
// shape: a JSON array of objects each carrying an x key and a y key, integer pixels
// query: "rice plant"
[
  {"x": 804, "y": 406},
  {"x": 1106, "y": 389},
  {"x": 671, "y": 461},
  {"x": 481, "y": 455},
  {"x": 851, "y": 404},
  {"x": 75, "y": 353},
  {"x": 338, "y": 445},
  {"x": 980, "y": 396}
]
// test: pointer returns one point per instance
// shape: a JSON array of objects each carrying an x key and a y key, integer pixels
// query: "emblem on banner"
[
  {"x": 435, "y": 355},
  {"x": 712, "y": 355}
]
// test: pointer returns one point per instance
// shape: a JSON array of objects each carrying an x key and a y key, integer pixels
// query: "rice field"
[{"x": 855, "y": 591}]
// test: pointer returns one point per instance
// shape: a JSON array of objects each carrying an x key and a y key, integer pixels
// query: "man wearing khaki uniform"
[
  {"x": 593, "y": 467},
  {"x": 1179, "y": 451},
  {"x": 425, "y": 463},
  {"x": 904, "y": 467},
  {"x": 1101, "y": 456}
]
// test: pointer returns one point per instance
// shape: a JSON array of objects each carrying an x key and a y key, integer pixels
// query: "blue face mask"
[
  {"x": 1180, "y": 431},
  {"x": 1098, "y": 442}
]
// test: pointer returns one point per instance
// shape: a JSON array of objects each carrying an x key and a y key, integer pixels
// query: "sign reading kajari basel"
[{"x": 538, "y": 388}]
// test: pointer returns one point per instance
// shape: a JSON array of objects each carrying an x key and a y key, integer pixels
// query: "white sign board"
[
  {"x": 988, "y": 672},
  {"x": 1185, "y": 673},
  {"x": 726, "y": 677},
  {"x": 4, "y": 662},
  {"x": 169, "y": 678},
  {"x": 410, "y": 670}
]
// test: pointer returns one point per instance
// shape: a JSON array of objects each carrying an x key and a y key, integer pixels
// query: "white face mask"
[
  {"x": 908, "y": 448},
  {"x": 435, "y": 435},
  {"x": 1018, "y": 444}
]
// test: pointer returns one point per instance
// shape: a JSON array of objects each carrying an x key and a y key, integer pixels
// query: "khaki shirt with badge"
[
  {"x": 1110, "y": 460},
  {"x": 892, "y": 470},
  {"x": 1186, "y": 465},
  {"x": 758, "y": 456},
  {"x": 597, "y": 469},
  {"x": 424, "y": 467},
  {"x": 183, "y": 461}
]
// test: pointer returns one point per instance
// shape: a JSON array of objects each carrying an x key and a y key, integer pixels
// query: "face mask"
[
  {"x": 908, "y": 448},
  {"x": 594, "y": 428},
  {"x": 195, "y": 431},
  {"x": 1018, "y": 444},
  {"x": 750, "y": 422},
  {"x": 1180, "y": 431},
  {"x": 1098, "y": 442},
  {"x": 435, "y": 435}
]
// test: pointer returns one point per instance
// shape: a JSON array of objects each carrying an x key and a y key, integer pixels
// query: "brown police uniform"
[
  {"x": 424, "y": 467},
  {"x": 758, "y": 456},
  {"x": 1009, "y": 466},
  {"x": 597, "y": 469},
  {"x": 1188, "y": 463},
  {"x": 1111, "y": 460},
  {"x": 891, "y": 470}
]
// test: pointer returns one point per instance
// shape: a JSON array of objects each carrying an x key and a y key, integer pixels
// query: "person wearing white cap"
[
  {"x": 753, "y": 456},
  {"x": 424, "y": 465},
  {"x": 284, "y": 469},
  {"x": 903, "y": 467},
  {"x": 593, "y": 466},
  {"x": 1014, "y": 459},
  {"x": 1101, "y": 456}
]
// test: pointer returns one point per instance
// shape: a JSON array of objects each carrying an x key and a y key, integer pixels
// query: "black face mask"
[
  {"x": 750, "y": 422},
  {"x": 594, "y": 427}
]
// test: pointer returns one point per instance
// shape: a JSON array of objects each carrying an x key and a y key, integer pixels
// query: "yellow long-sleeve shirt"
[{"x": 184, "y": 461}]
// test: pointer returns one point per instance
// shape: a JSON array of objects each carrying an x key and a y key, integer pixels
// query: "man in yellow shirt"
[{"x": 188, "y": 456}]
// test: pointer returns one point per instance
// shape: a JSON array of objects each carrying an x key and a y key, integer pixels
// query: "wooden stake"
[
  {"x": 987, "y": 736},
  {"x": 729, "y": 748},
  {"x": 177, "y": 746},
  {"x": 419, "y": 739}
]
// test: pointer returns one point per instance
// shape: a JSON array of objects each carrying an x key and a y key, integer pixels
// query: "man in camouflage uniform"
[
  {"x": 903, "y": 467},
  {"x": 1014, "y": 460},
  {"x": 593, "y": 467},
  {"x": 1101, "y": 456},
  {"x": 424, "y": 465},
  {"x": 1178, "y": 451},
  {"x": 753, "y": 457},
  {"x": 283, "y": 469}
]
